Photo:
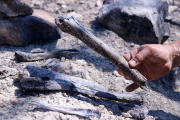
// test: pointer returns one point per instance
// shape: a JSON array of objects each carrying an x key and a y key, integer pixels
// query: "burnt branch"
[
  {"x": 42, "y": 79},
  {"x": 28, "y": 57}
]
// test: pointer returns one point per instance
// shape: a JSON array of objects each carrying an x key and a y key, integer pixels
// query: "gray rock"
[
  {"x": 13, "y": 8},
  {"x": 136, "y": 110},
  {"x": 140, "y": 21},
  {"x": 37, "y": 50},
  {"x": 20, "y": 31},
  {"x": 174, "y": 19}
]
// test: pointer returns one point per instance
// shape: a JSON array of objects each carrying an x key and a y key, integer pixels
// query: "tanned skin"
[{"x": 151, "y": 58}]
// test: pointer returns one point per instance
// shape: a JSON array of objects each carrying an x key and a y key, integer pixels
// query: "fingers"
[
  {"x": 131, "y": 87},
  {"x": 140, "y": 57},
  {"x": 135, "y": 58},
  {"x": 128, "y": 56},
  {"x": 121, "y": 73}
]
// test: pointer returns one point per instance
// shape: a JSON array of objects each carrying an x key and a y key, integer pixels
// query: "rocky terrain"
[{"x": 163, "y": 99}]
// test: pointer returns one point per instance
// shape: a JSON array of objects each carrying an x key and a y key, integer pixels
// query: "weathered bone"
[
  {"x": 74, "y": 111},
  {"x": 43, "y": 79},
  {"x": 73, "y": 27},
  {"x": 28, "y": 57}
]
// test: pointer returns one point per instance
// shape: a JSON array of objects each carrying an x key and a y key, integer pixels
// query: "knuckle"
[
  {"x": 139, "y": 57},
  {"x": 151, "y": 47}
]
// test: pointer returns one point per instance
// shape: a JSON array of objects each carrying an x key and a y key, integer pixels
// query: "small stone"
[
  {"x": 4, "y": 87},
  {"x": 22, "y": 74},
  {"x": 38, "y": 4},
  {"x": 127, "y": 115},
  {"x": 14, "y": 102},
  {"x": 82, "y": 1},
  {"x": 81, "y": 62},
  {"x": 73, "y": 58},
  {"x": 53, "y": 63},
  {"x": 131, "y": 45},
  {"x": 2, "y": 105},
  {"x": 68, "y": 100},
  {"x": 90, "y": 64},
  {"x": 99, "y": 3},
  {"x": 47, "y": 62},
  {"x": 60, "y": 2},
  {"x": 37, "y": 50},
  {"x": 49, "y": 9},
  {"x": 2, "y": 97},
  {"x": 65, "y": 95},
  {"x": 62, "y": 116},
  {"x": 64, "y": 6},
  {"x": 2, "y": 113},
  {"x": 76, "y": 15},
  {"x": 63, "y": 59},
  {"x": 33, "y": 116},
  {"x": 172, "y": 9},
  {"x": 116, "y": 74},
  {"x": 8, "y": 79},
  {"x": 101, "y": 108}
]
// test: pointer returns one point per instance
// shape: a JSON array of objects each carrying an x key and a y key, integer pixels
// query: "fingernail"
[{"x": 132, "y": 62}]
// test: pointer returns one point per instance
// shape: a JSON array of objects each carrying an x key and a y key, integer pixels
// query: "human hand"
[{"x": 152, "y": 61}]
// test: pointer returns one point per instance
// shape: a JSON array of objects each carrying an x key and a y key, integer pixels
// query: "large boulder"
[
  {"x": 13, "y": 8},
  {"x": 22, "y": 30},
  {"x": 140, "y": 21}
]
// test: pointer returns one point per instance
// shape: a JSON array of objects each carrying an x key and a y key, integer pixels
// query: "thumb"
[{"x": 140, "y": 57}]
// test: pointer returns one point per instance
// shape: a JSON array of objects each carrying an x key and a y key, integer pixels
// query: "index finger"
[{"x": 128, "y": 56}]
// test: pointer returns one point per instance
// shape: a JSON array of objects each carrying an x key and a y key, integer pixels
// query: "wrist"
[{"x": 174, "y": 49}]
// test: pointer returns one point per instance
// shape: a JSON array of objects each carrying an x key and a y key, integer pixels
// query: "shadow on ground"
[
  {"x": 161, "y": 115},
  {"x": 168, "y": 85}
]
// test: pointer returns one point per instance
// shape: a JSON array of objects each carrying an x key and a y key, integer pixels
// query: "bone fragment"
[
  {"x": 73, "y": 27},
  {"x": 74, "y": 111}
]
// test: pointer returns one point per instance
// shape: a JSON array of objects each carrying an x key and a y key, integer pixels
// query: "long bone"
[{"x": 72, "y": 26}]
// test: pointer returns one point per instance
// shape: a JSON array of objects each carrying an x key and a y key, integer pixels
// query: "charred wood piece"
[
  {"x": 42, "y": 79},
  {"x": 28, "y": 57}
]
